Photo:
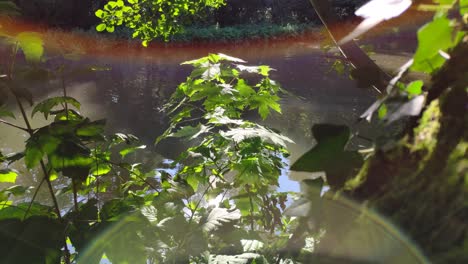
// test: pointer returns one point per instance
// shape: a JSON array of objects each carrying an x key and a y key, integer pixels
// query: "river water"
[{"x": 134, "y": 83}]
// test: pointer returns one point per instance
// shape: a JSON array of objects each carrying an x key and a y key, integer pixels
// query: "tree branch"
[{"x": 364, "y": 66}]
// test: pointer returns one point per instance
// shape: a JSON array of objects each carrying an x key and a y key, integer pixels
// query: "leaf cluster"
[{"x": 150, "y": 19}]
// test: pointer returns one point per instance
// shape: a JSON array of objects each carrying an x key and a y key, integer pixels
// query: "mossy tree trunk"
[{"x": 422, "y": 183}]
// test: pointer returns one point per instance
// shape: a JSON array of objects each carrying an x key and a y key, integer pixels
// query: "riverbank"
[{"x": 217, "y": 34}]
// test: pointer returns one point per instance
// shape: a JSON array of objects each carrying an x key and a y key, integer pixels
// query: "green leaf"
[
  {"x": 264, "y": 70},
  {"x": 100, "y": 169},
  {"x": 101, "y": 27},
  {"x": 464, "y": 8},
  {"x": 415, "y": 88},
  {"x": 383, "y": 111},
  {"x": 433, "y": 37},
  {"x": 244, "y": 89},
  {"x": 18, "y": 211},
  {"x": 218, "y": 216},
  {"x": 190, "y": 132},
  {"x": 241, "y": 134},
  {"x": 222, "y": 56},
  {"x": 329, "y": 155},
  {"x": 236, "y": 259},
  {"x": 110, "y": 29},
  {"x": 32, "y": 45},
  {"x": 8, "y": 8},
  {"x": 150, "y": 212},
  {"x": 91, "y": 129},
  {"x": 38, "y": 145},
  {"x": 13, "y": 157},
  {"x": 193, "y": 181},
  {"x": 251, "y": 245},
  {"x": 47, "y": 105},
  {"x": 8, "y": 175},
  {"x": 99, "y": 13},
  {"x": 6, "y": 113},
  {"x": 17, "y": 190},
  {"x": 126, "y": 151},
  {"x": 41, "y": 237}
]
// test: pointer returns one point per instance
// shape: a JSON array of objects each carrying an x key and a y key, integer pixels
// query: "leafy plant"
[{"x": 150, "y": 19}]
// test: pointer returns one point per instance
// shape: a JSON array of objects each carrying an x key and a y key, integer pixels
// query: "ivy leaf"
[
  {"x": 218, "y": 216},
  {"x": 47, "y": 105},
  {"x": 8, "y": 175},
  {"x": 32, "y": 45},
  {"x": 329, "y": 155},
  {"x": 433, "y": 37}
]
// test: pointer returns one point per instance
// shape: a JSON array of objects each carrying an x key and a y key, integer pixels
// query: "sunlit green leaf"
[
  {"x": 91, "y": 129},
  {"x": 414, "y": 88},
  {"x": 251, "y": 245},
  {"x": 190, "y": 132},
  {"x": 383, "y": 111},
  {"x": 8, "y": 175},
  {"x": 193, "y": 181},
  {"x": 38, "y": 145},
  {"x": 101, "y": 27},
  {"x": 433, "y": 37},
  {"x": 99, "y": 13},
  {"x": 100, "y": 169},
  {"x": 126, "y": 151},
  {"x": 218, "y": 216},
  {"x": 47, "y": 105}
]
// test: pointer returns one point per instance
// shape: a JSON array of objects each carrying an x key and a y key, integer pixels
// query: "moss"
[
  {"x": 359, "y": 179},
  {"x": 428, "y": 128}
]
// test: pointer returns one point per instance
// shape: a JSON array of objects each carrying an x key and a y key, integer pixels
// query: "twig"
[
  {"x": 34, "y": 197},
  {"x": 13, "y": 125}
]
